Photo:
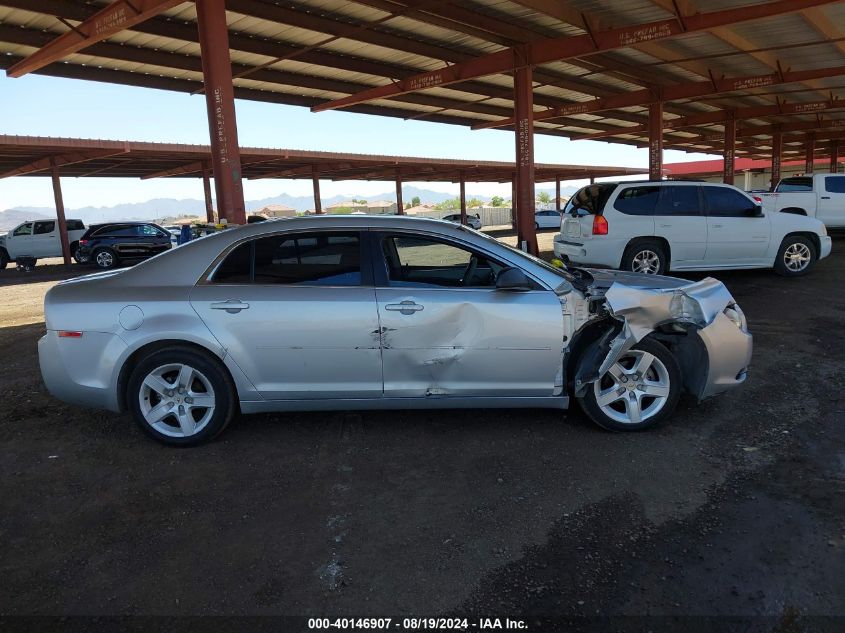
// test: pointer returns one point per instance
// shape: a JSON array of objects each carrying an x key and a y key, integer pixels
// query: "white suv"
[{"x": 650, "y": 227}]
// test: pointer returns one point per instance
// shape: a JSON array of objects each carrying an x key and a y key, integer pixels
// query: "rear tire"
[
  {"x": 796, "y": 256},
  {"x": 104, "y": 258},
  {"x": 639, "y": 391},
  {"x": 180, "y": 396},
  {"x": 647, "y": 257}
]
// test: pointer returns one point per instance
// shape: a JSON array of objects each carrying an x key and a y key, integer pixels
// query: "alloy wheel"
[
  {"x": 177, "y": 400},
  {"x": 797, "y": 257},
  {"x": 634, "y": 389},
  {"x": 646, "y": 261},
  {"x": 105, "y": 259}
]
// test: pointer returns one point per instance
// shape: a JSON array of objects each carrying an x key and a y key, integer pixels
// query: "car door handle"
[
  {"x": 825, "y": 197},
  {"x": 716, "y": 226},
  {"x": 232, "y": 306},
  {"x": 406, "y": 307}
]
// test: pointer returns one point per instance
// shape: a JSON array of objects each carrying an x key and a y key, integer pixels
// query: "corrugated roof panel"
[
  {"x": 379, "y": 53},
  {"x": 620, "y": 12}
]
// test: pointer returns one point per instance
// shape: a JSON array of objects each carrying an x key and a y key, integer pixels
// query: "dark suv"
[{"x": 107, "y": 245}]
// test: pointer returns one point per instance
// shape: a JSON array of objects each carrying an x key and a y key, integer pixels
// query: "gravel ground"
[{"x": 734, "y": 509}]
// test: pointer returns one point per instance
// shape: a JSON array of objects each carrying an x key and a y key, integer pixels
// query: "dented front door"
[{"x": 467, "y": 338}]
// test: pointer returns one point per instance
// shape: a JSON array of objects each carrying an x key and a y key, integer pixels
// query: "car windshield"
[{"x": 563, "y": 273}]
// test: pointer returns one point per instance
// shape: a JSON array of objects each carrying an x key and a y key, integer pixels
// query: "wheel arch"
[
  {"x": 151, "y": 347},
  {"x": 813, "y": 237},
  {"x": 794, "y": 211},
  {"x": 648, "y": 238}
]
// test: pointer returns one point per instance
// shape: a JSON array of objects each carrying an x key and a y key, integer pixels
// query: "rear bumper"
[
  {"x": 605, "y": 253},
  {"x": 729, "y": 354},
  {"x": 82, "y": 370}
]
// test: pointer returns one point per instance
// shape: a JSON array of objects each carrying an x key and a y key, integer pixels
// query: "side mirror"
[
  {"x": 512, "y": 279},
  {"x": 757, "y": 212}
]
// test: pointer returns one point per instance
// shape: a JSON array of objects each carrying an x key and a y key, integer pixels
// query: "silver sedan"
[{"x": 340, "y": 312}]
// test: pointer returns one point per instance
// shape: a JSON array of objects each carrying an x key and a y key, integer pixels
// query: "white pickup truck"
[
  {"x": 820, "y": 196},
  {"x": 38, "y": 239}
]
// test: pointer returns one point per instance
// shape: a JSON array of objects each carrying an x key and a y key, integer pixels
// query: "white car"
[
  {"x": 547, "y": 219},
  {"x": 473, "y": 221},
  {"x": 652, "y": 227},
  {"x": 38, "y": 239}
]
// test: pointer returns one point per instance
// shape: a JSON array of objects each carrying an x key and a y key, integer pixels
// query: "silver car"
[
  {"x": 473, "y": 221},
  {"x": 339, "y": 312}
]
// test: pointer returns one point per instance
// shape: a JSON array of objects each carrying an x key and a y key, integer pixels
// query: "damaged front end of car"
[{"x": 699, "y": 322}]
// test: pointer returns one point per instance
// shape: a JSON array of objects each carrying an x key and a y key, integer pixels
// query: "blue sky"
[{"x": 46, "y": 106}]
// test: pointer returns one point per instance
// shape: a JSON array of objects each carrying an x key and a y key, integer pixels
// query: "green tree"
[
  {"x": 474, "y": 203},
  {"x": 415, "y": 201},
  {"x": 448, "y": 205},
  {"x": 544, "y": 198},
  {"x": 497, "y": 201},
  {"x": 359, "y": 201}
]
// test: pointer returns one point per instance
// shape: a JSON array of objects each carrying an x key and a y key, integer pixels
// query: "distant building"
[
  {"x": 276, "y": 211},
  {"x": 375, "y": 207}
]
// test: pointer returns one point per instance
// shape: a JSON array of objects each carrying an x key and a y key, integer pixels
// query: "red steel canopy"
[{"x": 682, "y": 74}]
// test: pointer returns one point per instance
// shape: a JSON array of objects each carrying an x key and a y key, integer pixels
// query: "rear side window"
[
  {"x": 834, "y": 184},
  {"x": 41, "y": 228},
  {"x": 637, "y": 200},
  {"x": 315, "y": 259},
  {"x": 679, "y": 200},
  {"x": 75, "y": 225},
  {"x": 727, "y": 203},
  {"x": 116, "y": 230},
  {"x": 795, "y": 184}
]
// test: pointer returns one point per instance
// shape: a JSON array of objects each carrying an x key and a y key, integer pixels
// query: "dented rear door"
[{"x": 440, "y": 337}]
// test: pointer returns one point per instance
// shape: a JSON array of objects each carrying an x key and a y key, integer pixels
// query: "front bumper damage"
[{"x": 713, "y": 351}]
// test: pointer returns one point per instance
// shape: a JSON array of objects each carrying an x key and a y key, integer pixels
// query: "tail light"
[
  {"x": 758, "y": 199},
  {"x": 83, "y": 242},
  {"x": 69, "y": 334},
  {"x": 600, "y": 225}
]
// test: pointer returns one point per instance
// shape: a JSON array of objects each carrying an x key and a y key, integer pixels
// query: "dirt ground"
[{"x": 730, "y": 517}]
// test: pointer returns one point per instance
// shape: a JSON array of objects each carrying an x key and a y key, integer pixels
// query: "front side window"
[
  {"x": 41, "y": 228},
  {"x": 727, "y": 203},
  {"x": 834, "y": 184},
  {"x": 637, "y": 200},
  {"x": 679, "y": 200},
  {"x": 431, "y": 263},
  {"x": 315, "y": 259},
  {"x": 24, "y": 229}
]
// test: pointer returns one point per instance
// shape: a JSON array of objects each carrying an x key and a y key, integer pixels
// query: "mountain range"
[{"x": 172, "y": 207}]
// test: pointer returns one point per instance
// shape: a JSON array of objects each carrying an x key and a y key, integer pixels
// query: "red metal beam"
[
  {"x": 655, "y": 141},
  {"x": 116, "y": 17},
  {"x": 777, "y": 153},
  {"x": 523, "y": 89},
  {"x": 70, "y": 158},
  {"x": 810, "y": 153},
  {"x": 315, "y": 182},
  {"x": 719, "y": 116},
  {"x": 834, "y": 157},
  {"x": 220, "y": 102},
  {"x": 729, "y": 152},
  {"x": 687, "y": 90},
  {"x": 206, "y": 189},
  {"x": 181, "y": 170},
  {"x": 557, "y": 194},
  {"x": 400, "y": 207},
  {"x": 558, "y": 49},
  {"x": 766, "y": 130},
  {"x": 463, "y": 198},
  {"x": 60, "y": 211}
]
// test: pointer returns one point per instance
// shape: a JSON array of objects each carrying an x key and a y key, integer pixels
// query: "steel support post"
[
  {"x": 220, "y": 102},
  {"x": 729, "y": 152},
  {"x": 463, "y": 198},
  {"x": 206, "y": 187},
  {"x": 557, "y": 194},
  {"x": 514, "y": 202},
  {"x": 400, "y": 206},
  {"x": 526, "y": 234},
  {"x": 655, "y": 141},
  {"x": 315, "y": 181},
  {"x": 810, "y": 156},
  {"x": 60, "y": 211},
  {"x": 777, "y": 150},
  {"x": 834, "y": 157}
]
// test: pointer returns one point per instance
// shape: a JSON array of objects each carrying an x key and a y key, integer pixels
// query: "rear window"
[
  {"x": 795, "y": 184},
  {"x": 834, "y": 184},
  {"x": 75, "y": 225},
  {"x": 637, "y": 200},
  {"x": 590, "y": 199}
]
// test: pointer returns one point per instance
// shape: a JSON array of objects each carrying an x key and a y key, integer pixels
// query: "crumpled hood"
[{"x": 604, "y": 279}]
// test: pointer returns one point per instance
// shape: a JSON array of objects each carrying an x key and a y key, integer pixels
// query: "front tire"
[
  {"x": 181, "y": 397},
  {"x": 796, "y": 256},
  {"x": 639, "y": 391},
  {"x": 4, "y": 258},
  {"x": 647, "y": 257},
  {"x": 104, "y": 258}
]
